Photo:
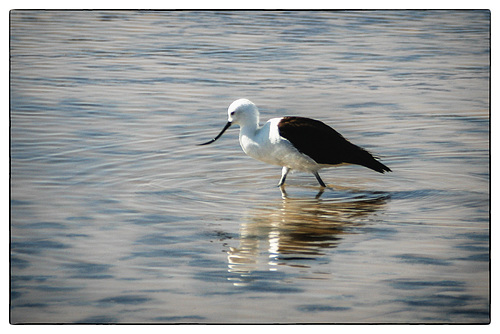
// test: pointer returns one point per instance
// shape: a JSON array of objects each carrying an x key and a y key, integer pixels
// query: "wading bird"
[{"x": 294, "y": 143}]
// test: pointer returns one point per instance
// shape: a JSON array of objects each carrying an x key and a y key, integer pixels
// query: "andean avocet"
[{"x": 295, "y": 143}]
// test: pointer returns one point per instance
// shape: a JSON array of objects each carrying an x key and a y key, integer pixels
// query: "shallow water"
[{"x": 117, "y": 216}]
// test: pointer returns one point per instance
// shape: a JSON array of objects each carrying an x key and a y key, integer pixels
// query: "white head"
[{"x": 243, "y": 112}]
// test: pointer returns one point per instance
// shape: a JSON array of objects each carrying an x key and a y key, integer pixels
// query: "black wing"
[{"x": 325, "y": 145}]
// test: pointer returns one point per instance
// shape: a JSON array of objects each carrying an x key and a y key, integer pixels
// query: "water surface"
[{"x": 118, "y": 217}]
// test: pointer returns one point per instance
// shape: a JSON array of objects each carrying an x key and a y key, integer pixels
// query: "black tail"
[
  {"x": 364, "y": 158},
  {"x": 377, "y": 166}
]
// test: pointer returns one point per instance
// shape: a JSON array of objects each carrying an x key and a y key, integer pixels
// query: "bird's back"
[{"x": 325, "y": 145}]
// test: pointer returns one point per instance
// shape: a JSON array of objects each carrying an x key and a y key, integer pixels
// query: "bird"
[{"x": 294, "y": 143}]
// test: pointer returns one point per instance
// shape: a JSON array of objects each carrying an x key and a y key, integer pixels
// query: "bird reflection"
[
  {"x": 293, "y": 232},
  {"x": 284, "y": 194}
]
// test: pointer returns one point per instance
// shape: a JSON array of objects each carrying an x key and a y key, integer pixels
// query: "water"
[{"x": 117, "y": 216}]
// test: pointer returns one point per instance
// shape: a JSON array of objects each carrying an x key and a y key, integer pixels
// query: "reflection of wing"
[{"x": 325, "y": 145}]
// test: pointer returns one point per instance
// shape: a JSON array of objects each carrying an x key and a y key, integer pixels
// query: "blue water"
[{"x": 118, "y": 217}]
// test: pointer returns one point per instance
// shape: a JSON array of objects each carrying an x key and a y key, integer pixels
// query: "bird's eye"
[{"x": 232, "y": 113}]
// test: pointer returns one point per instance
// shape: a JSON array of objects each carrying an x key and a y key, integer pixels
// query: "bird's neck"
[{"x": 249, "y": 129}]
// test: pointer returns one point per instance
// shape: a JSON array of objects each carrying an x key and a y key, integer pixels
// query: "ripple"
[
  {"x": 124, "y": 300},
  {"x": 321, "y": 308}
]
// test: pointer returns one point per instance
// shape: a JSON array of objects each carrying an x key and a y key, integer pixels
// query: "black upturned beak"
[{"x": 228, "y": 124}]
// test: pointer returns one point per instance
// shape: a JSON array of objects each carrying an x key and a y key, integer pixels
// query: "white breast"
[{"x": 265, "y": 144}]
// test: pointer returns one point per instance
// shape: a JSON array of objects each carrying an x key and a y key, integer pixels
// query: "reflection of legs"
[
  {"x": 284, "y": 173},
  {"x": 284, "y": 195},
  {"x": 319, "y": 179},
  {"x": 320, "y": 192}
]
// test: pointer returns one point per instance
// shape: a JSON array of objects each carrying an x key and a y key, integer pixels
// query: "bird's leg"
[
  {"x": 284, "y": 173},
  {"x": 319, "y": 179}
]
